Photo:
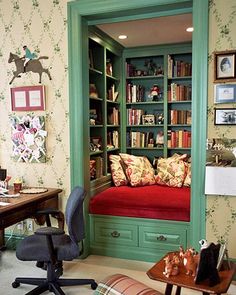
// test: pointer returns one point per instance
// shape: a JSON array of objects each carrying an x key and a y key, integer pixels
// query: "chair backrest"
[{"x": 74, "y": 214}]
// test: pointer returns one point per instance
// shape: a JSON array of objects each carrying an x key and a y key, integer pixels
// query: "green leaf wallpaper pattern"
[{"x": 42, "y": 26}]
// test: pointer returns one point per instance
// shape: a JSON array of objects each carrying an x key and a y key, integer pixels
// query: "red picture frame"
[{"x": 28, "y": 98}]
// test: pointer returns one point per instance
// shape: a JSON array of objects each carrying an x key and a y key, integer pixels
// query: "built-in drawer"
[
  {"x": 115, "y": 233},
  {"x": 162, "y": 237}
]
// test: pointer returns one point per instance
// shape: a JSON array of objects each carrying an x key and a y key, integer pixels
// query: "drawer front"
[
  {"x": 113, "y": 233},
  {"x": 156, "y": 237}
]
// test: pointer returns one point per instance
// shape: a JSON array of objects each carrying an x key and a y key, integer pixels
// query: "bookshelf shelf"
[
  {"x": 145, "y": 77},
  {"x": 94, "y": 71},
  {"x": 145, "y": 103},
  {"x": 104, "y": 104}
]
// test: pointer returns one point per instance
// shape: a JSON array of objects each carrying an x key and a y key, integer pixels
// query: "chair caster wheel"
[
  {"x": 15, "y": 284},
  {"x": 94, "y": 286}
]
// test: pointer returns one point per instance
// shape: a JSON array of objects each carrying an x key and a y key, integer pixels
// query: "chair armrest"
[
  {"x": 44, "y": 215},
  {"x": 49, "y": 231}
]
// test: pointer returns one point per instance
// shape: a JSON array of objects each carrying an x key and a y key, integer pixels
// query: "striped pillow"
[{"x": 119, "y": 284}]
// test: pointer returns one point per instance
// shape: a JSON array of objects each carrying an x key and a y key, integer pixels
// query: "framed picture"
[
  {"x": 224, "y": 66},
  {"x": 28, "y": 98},
  {"x": 225, "y": 93},
  {"x": 225, "y": 116},
  {"x": 148, "y": 119}
]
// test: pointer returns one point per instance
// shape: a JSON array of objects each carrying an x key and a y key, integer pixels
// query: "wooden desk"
[
  {"x": 25, "y": 206},
  {"x": 185, "y": 281}
]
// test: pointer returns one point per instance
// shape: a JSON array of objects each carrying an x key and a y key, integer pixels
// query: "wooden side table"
[{"x": 186, "y": 281}]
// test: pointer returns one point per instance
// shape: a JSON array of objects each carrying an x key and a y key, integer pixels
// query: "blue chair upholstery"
[{"x": 52, "y": 246}]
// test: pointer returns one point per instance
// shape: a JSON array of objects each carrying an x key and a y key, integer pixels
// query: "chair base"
[{"x": 53, "y": 286}]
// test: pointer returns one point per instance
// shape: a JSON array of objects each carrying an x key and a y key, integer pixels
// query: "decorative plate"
[{"x": 33, "y": 190}]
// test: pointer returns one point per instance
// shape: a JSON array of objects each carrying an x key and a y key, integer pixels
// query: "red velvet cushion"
[{"x": 156, "y": 202}]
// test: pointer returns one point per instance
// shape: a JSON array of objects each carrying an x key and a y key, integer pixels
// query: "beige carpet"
[{"x": 96, "y": 267}]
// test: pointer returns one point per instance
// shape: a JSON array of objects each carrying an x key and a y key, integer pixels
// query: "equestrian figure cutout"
[{"x": 33, "y": 65}]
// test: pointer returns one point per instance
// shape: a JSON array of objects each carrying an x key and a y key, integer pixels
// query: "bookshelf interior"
[{"x": 139, "y": 102}]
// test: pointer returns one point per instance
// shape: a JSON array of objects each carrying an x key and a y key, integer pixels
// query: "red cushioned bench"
[{"x": 154, "y": 202}]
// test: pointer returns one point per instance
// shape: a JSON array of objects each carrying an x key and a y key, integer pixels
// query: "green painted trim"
[
  {"x": 99, "y": 10},
  {"x": 199, "y": 120}
]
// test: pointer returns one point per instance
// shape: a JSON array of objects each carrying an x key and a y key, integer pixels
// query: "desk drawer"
[
  {"x": 162, "y": 237},
  {"x": 115, "y": 233}
]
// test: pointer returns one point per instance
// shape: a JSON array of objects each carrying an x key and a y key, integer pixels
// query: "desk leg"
[
  {"x": 168, "y": 290},
  {"x": 2, "y": 242},
  {"x": 178, "y": 290}
]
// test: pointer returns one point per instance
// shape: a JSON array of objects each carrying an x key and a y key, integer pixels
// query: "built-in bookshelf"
[
  {"x": 104, "y": 104},
  {"x": 158, "y": 93}
]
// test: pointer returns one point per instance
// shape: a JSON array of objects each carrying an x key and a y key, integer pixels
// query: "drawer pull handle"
[
  {"x": 115, "y": 234},
  {"x": 161, "y": 238}
]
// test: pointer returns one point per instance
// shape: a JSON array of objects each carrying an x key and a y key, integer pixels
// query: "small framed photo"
[
  {"x": 225, "y": 116},
  {"x": 225, "y": 93},
  {"x": 224, "y": 66},
  {"x": 28, "y": 98},
  {"x": 148, "y": 119}
]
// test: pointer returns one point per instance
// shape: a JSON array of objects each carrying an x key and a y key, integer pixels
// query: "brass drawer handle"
[
  {"x": 115, "y": 234},
  {"x": 161, "y": 238}
]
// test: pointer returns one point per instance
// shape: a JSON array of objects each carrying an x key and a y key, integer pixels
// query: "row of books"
[
  {"x": 112, "y": 94},
  {"x": 178, "y": 92},
  {"x": 178, "y": 68},
  {"x": 180, "y": 117},
  {"x": 96, "y": 167},
  {"x": 179, "y": 139},
  {"x": 144, "y": 139},
  {"x": 134, "y": 93},
  {"x": 134, "y": 116},
  {"x": 113, "y": 116},
  {"x": 112, "y": 139}
]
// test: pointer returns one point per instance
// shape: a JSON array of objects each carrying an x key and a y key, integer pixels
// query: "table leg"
[
  {"x": 168, "y": 289},
  {"x": 2, "y": 242},
  {"x": 178, "y": 290}
]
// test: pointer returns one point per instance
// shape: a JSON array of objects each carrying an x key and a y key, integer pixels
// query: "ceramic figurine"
[{"x": 171, "y": 268}]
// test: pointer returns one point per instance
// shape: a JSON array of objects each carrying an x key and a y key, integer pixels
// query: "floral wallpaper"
[
  {"x": 42, "y": 26},
  {"x": 221, "y": 210}
]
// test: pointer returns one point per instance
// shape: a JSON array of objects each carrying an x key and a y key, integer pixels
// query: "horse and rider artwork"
[{"x": 28, "y": 63}]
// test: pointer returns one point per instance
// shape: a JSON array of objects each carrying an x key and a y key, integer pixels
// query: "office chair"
[{"x": 52, "y": 246}]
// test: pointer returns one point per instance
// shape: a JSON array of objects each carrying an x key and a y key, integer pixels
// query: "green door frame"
[{"x": 83, "y": 13}]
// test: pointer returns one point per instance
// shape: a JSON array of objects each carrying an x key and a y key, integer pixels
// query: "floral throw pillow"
[
  {"x": 118, "y": 175},
  {"x": 138, "y": 170},
  {"x": 187, "y": 180},
  {"x": 171, "y": 171}
]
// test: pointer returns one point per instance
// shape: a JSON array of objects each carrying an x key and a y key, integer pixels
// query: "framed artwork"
[
  {"x": 225, "y": 116},
  {"x": 28, "y": 98},
  {"x": 224, "y": 66},
  {"x": 28, "y": 139},
  {"x": 148, "y": 119},
  {"x": 225, "y": 93}
]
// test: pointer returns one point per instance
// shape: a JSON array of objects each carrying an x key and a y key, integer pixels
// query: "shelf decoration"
[
  {"x": 28, "y": 138},
  {"x": 28, "y": 98}
]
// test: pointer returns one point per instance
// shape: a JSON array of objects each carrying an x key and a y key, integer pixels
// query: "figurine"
[
  {"x": 190, "y": 262},
  {"x": 171, "y": 266},
  {"x": 154, "y": 92}
]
